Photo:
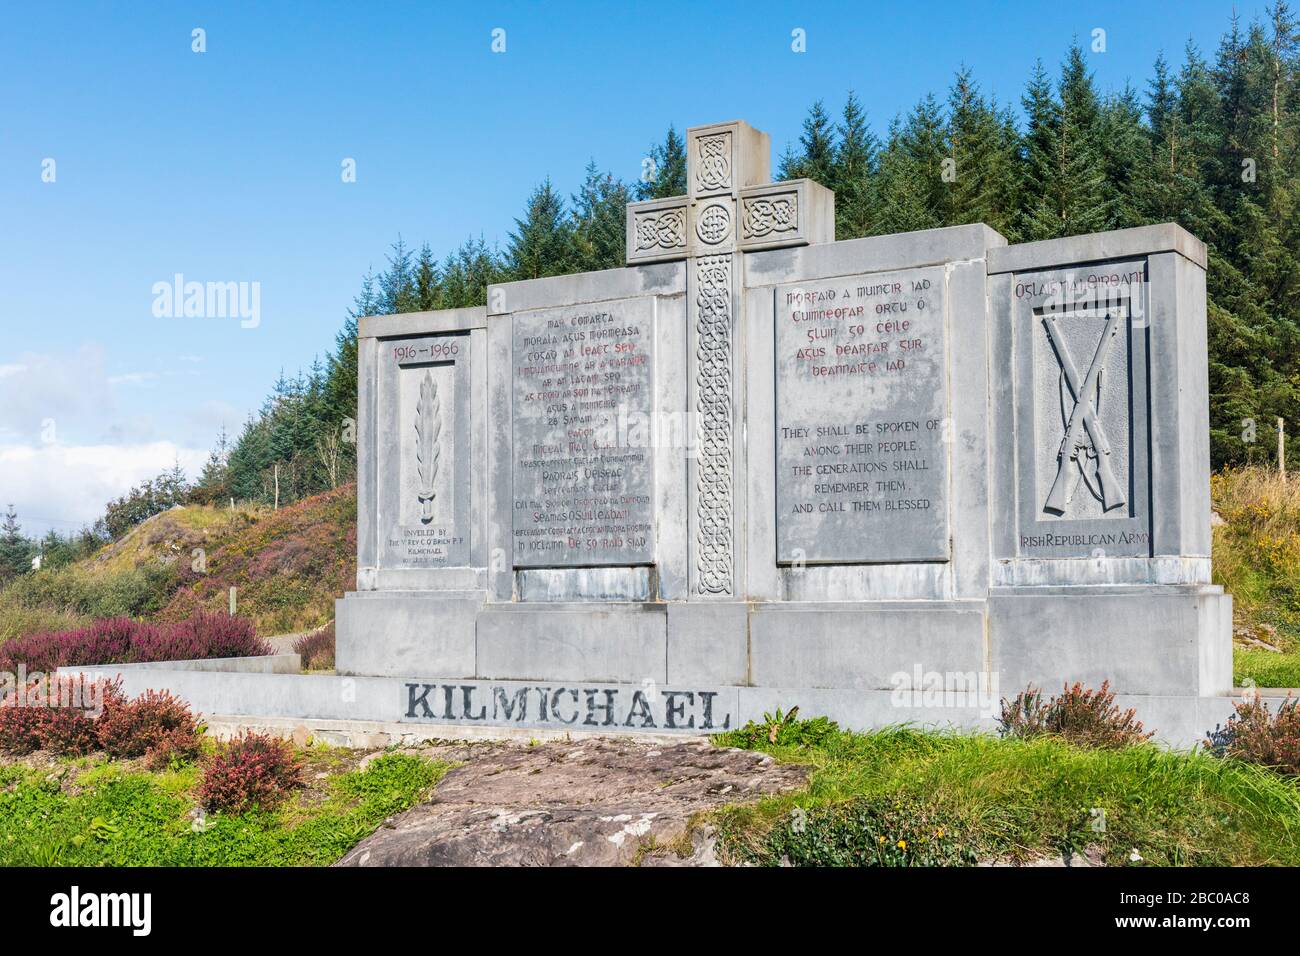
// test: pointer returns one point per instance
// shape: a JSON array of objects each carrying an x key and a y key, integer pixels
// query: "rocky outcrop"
[{"x": 593, "y": 802}]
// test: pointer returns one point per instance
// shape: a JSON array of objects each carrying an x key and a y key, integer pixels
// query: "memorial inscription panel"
[
  {"x": 583, "y": 405},
  {"x": 425, "y": 502},
  {"x": 861, "y": 458},
  {"x": 1081, "y": 408}
]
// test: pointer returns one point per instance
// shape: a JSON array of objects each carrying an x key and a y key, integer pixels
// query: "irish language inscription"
[
  {"x": 861, "y": 419},
  {"x": 583, "y": 423}
]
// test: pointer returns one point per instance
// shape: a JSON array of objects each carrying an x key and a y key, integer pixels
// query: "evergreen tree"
[
  {"x": 542, "y": 243},
  {"x": 427, "y": 291},
  {"x": 663, "y": 172},
  {"x": 15, "y": 550},
  {"x": 855, "y": 164},
  {"x": 213, "y": 485},
  {"x": 1065, "y": 187},
  {"x": 468, "y": 272},
  {"x": 816, "y": 159},
  {"x": 982, "y": 151},
  {"x": 1127, "y": 160},
  {"x": 902, "y": 198},
  {"x": 599, "y": 217},
  {"x": 397, "y": 291}
]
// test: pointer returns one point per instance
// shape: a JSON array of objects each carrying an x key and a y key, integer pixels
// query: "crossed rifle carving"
[{"x": 1083, "y": 418}]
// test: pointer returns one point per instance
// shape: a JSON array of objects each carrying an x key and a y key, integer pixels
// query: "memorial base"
[{"x": 1143, "y": 639}]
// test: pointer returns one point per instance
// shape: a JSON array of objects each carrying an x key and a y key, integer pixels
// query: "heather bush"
[
  {"x": 68, "y": 732},
  {"x": 69, "y": 728},
  {"x": 126, "y": 641},
  {"x": 56, "y": 715},
  {"x": 154, "y": 721},
  {"x": 251, "y": 771},
  {"x": 1255, "y": 735},
  {"x": 204, "y": 635},
  {"x": 1081, "y": 716},
  {"x": 317, "y": 649},
  {"x": 175, "y": 747},
  {"x": 21, "y": 726}
]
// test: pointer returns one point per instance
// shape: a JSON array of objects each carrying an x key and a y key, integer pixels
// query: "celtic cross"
[{"x": 730, "y": 209}]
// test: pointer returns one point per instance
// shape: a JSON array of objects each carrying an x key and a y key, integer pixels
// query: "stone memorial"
[
  {"x": 888, "y": 479},
  {"x": 758, "y": 467}
]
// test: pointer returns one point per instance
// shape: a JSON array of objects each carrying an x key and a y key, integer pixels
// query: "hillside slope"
[
  {"x": 1257, "y": 558},
  {"x": 288, "y": 567}
]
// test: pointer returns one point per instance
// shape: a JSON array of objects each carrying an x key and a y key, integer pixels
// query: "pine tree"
[
  {"x": 15, "y": 550},
  {"x": 468, "y": 272},
  {"x": 397, "y": 285},
  {"x": 982, "y": 152},
  {"x": 816, "y": 158},
  {"x": 1065, "y": 186},
  {"x": 902, "y": 196},
  {"x": 599, "y": 216},
  {"x": 427, "y": 292},
  {"x": 855, "y": 164},
  {"x": 1127, "y": 160},
  {"x": 663, "y": 171},
  {"x": 213, "y": 486},
  {"x": 542, "y": 243}
]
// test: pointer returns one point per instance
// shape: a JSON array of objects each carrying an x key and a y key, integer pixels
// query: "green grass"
[
  {"x": 1013, "y": 798},
  {"x": 1266, "y": 668},
  {"x": 1257, "y": 558},
  {"x": 86, "y": 813}
]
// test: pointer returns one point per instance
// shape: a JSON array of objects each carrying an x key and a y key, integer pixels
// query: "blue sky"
[{"x": 225, "y": 166}]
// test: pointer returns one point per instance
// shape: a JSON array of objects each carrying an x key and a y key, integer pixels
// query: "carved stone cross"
[{"x": 730, "y": 209}]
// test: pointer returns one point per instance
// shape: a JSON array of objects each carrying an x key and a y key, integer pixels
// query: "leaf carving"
[{"x": 428, "y": 426}]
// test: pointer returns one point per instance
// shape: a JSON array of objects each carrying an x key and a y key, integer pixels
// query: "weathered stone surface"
[
  {"x": 861, "y": 418},
  {"x": 583, "y": 424},
  {"x": 597, "y": 802}
]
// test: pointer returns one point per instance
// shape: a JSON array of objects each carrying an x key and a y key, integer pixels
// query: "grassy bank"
[
  {"x": 901, "y": 797},
  {"x": 288, "y": 567},
  {"x": 95, "y": 812},
  {"x": 1257, "y": 558}
]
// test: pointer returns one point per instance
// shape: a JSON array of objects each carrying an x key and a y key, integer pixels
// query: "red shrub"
[
  {"x": 127, "y": 641},
  {"x": 21, "y": 726},
  {"x": 1081, "y": 716},
  {"x": 317, "y": 649},
  {"x": 1256, "y": 736},
  {"x": 70, "y": 729},
  {"x": 176, "y": 746},
  {"x": 134, "y": 728},
  {"x": 253, "y": 770}
]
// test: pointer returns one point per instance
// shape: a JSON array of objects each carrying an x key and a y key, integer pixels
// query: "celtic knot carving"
[
  {"x": 663, "y": 230},
  {"x": 764, "y": 216},
  {"x": 713, "y": 171},
  {"x": 713, "y": 405},
  {"x": 714, "y": 223}
]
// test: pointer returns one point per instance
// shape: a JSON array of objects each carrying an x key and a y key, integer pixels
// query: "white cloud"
[
  {"x": 66, "y": 486},
  {"x": 67, "y": 389},
  {"x": 133, "y": 378}
]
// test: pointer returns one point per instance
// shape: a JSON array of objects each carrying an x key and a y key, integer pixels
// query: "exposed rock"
[
  {"x": 1090, "y": 857},
  {"x": 594, "y": 802}
]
